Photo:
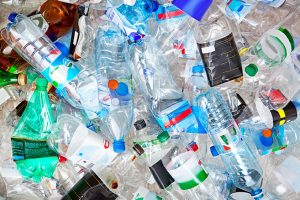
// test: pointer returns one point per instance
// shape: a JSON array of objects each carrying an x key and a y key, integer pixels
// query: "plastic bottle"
[
  {"x": 7, "y": 78},
  {"x": 66, "y": 139},
  {"x": 238, "y": 159},
  {"x": 196, "y": 85},
  {"x": 165, "y": 99},
  {"x": 214, "y": 37},
  {"x": 114, "y": 83}
]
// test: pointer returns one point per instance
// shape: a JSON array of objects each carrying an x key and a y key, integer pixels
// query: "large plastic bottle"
[
  {"x": 237, "y": 157},
  {"x": 33, "y": 156},
  {"x": 164, "y": 96},
  {"x": 114, "y": 82}
]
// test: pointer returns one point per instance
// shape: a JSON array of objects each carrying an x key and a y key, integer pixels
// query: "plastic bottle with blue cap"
[{"x": 114, "y": 83}]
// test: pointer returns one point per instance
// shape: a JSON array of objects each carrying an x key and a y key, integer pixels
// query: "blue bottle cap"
[
  {"x": 134, "y": 36},
  {"x": 194, "y": 8},
  {"x": 119, "y": 146},
  {"x": 198, "y": 69},
  {"x": 266, "y": 141},
  {"x": 213, "y": 151},
  {"x": 63, "y": 48},
  {"x": 122, "y": 89},
  {"x": 155, "y": 6},
  {"x": 12, "y": 16}
]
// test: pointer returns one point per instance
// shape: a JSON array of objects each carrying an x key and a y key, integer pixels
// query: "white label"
[
  {"x": 208, "y": 49},
  {"x": 4, "y": 96},
  {"x": 88, "y": 148}
]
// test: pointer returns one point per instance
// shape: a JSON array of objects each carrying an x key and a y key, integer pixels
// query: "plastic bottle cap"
[
  {"x": 12, "y": 16},
  {"x": 41, "y": 82},
  {"x": 22, "y": 79},
  {"x": 119, "y": 146},
  {"x": 138, "y": 149},
  {"x": 195, "y": 9},
  {"x": 163, "y": 136},
  {"x": 122, "y": 89},
  {"x": 140, "y": 124},
  {"x": 213, "y": 151},
  {"x": 155, "y": 6},
  {"x": 251, "y": 70},
  {"x": 267, "y": 133},
  {"x": 198, "y": 69},
  {"x": 112, "y": 84},
  {"x": 135, "y": 36},
  {"x": 266, "y": 141}
]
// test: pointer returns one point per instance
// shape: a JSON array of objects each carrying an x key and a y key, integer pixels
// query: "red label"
[{"x": 106, "y": 144}]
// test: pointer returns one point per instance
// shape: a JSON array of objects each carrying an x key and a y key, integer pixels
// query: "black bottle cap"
[
  {"x": 140, "y": 124},
  {"x": 161, "y": 175},
  {"x": 138, "y": 149},
  {"x": 90, "y": 187}
]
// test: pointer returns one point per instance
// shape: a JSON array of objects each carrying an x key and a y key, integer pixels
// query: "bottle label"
[
  {"x": 221, "y": 60},
  {"x": 144, "y": 194},
  {"x": 178, "y": 118},
  {"x": 187, "y": 170},
  {"x": 90, "y": 186},
  {"x": 88, "y": 148},
  {"x": 284, "y": 115},
  {"x": 61, "y": 71},
  {"x": 239, "y": 9},
  {"x": 40, "y": 21},
  {"x": 165, "y": 12},
  {"x": 26, "y": 149}
]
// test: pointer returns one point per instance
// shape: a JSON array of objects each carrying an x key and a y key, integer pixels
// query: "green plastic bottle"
[
  {"x": 7, "y": 78},
  {"x": 34, "y": 158},
  {"x": 37, "y": 119}
]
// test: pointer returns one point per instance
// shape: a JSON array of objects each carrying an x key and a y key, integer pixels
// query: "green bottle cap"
[
  {"x": 163, "y": 136},
  {"x": 251, "y": 70},
  {"x": 41, "y": 83}
]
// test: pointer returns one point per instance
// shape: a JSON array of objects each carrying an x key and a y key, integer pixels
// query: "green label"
[
  {"x": 200, "y": 177},
  {"x": 25, "y": 149}
]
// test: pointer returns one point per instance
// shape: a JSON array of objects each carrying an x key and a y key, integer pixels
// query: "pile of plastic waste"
[{"x": 150, "y": 99}]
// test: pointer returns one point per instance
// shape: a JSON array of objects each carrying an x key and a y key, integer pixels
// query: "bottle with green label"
[
  {"x": 7, "y": 78},
  {"x": 34, "y": 158}
]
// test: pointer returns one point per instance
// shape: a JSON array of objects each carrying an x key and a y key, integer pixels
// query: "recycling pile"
[{"x": 150, "y": 99}]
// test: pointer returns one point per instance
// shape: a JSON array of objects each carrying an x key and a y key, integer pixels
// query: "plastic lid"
[
  {"x": 213, "y": 151},
  {"x": 194, "y": 8},
  {"x": 163, "y": 136},
  {"x": 251, "y": 70},
  {"x": 161, "y": 175},
  {"x": 267, "y": 133},
  {"x": 138, "y": 149},
  {"x": 41, "y": 82},
  {"x": 12, "y": 16},
  {"x": 112, "y": 84},
  {"x": 122, "y": 89},
  {"x": 140, "y": 124},
  {"x": 198, "y": 69},
  {"x": 266, "y": 141},
  {"x": 119, "y": 146}
]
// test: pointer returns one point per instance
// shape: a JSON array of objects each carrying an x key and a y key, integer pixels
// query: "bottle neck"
[{"x": 7, "y": 78}]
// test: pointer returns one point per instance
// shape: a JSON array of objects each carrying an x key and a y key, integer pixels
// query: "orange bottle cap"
[
  {"x": 267, "y": 133},
  {"x": 112, "y": 84}
]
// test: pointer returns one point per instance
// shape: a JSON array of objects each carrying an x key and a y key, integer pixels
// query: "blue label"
[{"x": 61, "y": 72}]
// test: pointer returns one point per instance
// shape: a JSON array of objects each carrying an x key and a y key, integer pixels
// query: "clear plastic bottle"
[
  {"x": 162, "y": 93},
  {"x": 237, "y": 157}
]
